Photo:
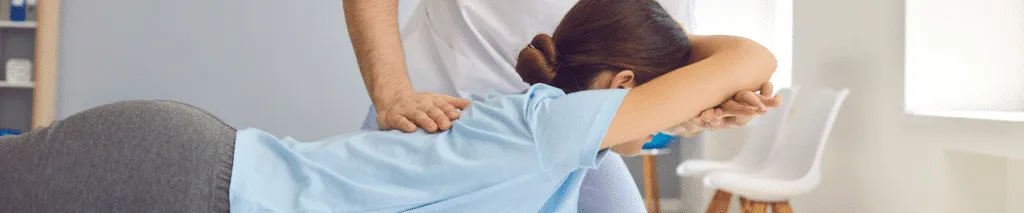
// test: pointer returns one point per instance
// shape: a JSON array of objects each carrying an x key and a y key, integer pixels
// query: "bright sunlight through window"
[{"x": 965, "y": 59}]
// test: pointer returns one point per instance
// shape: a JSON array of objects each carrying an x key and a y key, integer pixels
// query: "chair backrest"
[
  {"x": 797, "y": 153},
  {"x": 762, "y": 136}
]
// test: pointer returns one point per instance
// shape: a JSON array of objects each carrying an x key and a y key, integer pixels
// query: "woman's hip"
[{"x": 129, "y": 156}]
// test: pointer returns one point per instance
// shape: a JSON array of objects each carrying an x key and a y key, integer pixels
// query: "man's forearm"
[{"x": 373, "y": 28}]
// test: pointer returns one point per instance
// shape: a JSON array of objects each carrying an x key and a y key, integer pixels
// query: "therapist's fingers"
[
  {"x": 422, "y": 120},
  {"x": 448, "y": 109},
  {"x": 440, "y": 118},
  {"x": 399, "y": 122},
  {"x": 456, "y": 102}
]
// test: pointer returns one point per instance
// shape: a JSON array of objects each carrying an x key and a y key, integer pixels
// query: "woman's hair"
[{"x": 599, "y": 36}]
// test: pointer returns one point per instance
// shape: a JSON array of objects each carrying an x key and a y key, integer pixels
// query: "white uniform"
[{"x": 469, "y": 47}]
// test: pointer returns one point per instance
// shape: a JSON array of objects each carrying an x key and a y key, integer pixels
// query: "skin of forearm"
[
  {"x": 704, "y": 47},
  {"x": 756, "y": 64},
  {"x": 373, "y": 29},
  {"x": 733, "y": 64}
]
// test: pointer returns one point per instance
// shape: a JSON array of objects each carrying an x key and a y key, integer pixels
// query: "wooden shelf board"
[
  {"x": 4, "y": 84},
  {"x": 18, "y": 24}
]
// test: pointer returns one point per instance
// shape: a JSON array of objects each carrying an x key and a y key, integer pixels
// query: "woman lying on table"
[{"x": 601, "y": 82}]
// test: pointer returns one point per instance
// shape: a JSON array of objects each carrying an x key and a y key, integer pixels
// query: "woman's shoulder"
[
  {"x": 536, "y": 89},
  {"x": 545, "y": 89}
]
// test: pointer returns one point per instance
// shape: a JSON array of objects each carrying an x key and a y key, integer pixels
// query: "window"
[
  {"x": 769, "y": 22},
  {"x": 965, "y": 59}
]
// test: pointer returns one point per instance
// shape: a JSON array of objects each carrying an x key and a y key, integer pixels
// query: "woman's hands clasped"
[{"x": 735, "y": 112}]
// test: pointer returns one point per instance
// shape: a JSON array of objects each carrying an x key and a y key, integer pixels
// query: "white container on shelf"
[{"x": 19, "y": 71}]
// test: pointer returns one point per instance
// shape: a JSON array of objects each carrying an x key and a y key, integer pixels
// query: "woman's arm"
[{"x": 725, "y": 66}]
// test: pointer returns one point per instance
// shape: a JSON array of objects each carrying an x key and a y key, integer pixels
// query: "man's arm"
[{"x": 373, "y": 28}]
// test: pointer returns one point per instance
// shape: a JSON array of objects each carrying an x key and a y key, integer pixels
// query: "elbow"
[{"x": 766, "y": 62}]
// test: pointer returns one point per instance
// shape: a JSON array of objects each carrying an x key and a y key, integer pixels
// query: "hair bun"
[{"x": 537, "y": 62}]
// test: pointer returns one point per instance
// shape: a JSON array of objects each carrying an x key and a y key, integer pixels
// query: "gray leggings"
[{"x": 130, "y": 156}]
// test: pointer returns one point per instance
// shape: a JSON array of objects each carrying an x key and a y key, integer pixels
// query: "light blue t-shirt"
[{"x": 510, "y": 153}]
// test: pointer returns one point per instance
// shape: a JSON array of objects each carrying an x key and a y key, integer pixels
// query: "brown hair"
[{"x": 598, "y": 36}]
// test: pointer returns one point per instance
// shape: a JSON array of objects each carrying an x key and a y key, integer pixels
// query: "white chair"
[
  {"x": 794, "y": 166},
  {"x": 758, "y": 145},
  {"x": 750, "y": 157}
]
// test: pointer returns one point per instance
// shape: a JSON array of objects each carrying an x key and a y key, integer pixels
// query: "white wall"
[
  {"x": 880, "y": 159},
  {"x": 281, "y": 66}
]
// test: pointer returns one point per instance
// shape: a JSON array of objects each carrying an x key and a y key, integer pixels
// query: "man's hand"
[{"x": 430, "y": 111}]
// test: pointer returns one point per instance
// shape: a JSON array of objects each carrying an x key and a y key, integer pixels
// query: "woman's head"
[{"x": 606, "y": 44}]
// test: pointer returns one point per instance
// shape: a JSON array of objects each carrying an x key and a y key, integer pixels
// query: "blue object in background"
[
  {"x": 660, "y": 141},
  {"x": 4, "y": 132},
  {"x": 18, "y": 10}
]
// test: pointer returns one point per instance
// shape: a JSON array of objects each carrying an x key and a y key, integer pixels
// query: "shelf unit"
[{"x": 30, "y": 105}]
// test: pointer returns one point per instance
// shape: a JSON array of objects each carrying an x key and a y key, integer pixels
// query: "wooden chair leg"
[
  {"x": 755, "y": 207},
  {"x": 744, "y": 203},
  {"x": 720, "y": 202},
  {"x": 651, "y": 184},
  {"x": 782, "y": 207}
]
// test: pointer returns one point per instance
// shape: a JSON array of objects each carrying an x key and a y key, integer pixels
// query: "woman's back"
[{"x": 506, "y": 152}]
